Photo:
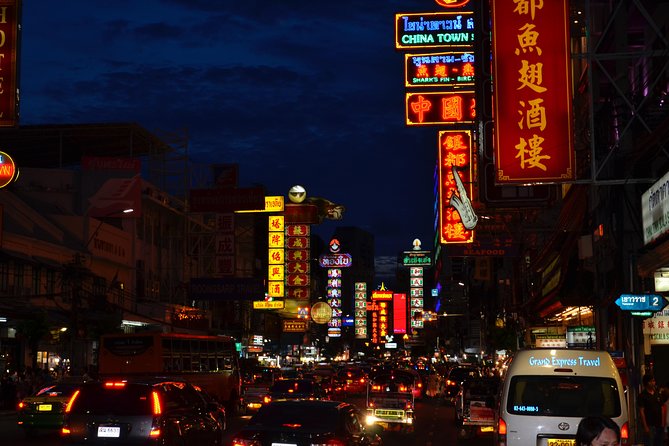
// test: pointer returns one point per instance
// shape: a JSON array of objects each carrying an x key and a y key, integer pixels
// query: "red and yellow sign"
[
  {"x": 455, "y": 153},
  {"x": 532, "y": 74},
  {"x": 294, "y": 325},
  {"x": 297, "y": 263},
  {"x": 276, "y": 257},
  {"x": 9, "y": 22},
  {"x": 440, "y": 108},
  {"x": 8, "y": 171},
  {"x": 382, "y": 295}
]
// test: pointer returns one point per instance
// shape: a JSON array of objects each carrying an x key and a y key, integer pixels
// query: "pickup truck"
[
  {"x": 475, "y": 406},
  {"x": 390, "y": 402}
]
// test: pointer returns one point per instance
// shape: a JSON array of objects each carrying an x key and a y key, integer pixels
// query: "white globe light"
[{"x": 297, "y": 194}]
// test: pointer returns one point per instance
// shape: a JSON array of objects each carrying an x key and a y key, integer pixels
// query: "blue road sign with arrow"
[{"x": 641, "y": 302}]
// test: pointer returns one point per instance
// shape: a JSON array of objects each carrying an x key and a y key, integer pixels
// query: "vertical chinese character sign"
[
  {"x": 456, "y": 215},
  {"x": 532, "y": 75},
  {"x": 334, "y": 262},
  {"x": 360, "y": 310},
  {"x": 276, "y": 257},
  {"x": 416, "y": 296},
  {"x": 297, "y": 262}
]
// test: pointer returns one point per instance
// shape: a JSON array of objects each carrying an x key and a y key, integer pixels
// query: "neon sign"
[
  {"x": 439, "y": 69},
  {"x": 440, "y": 108},
  {"x": 456, "y": 222},
  {"x": 434, "y": 30},
  {"x": 8, "y": 171}
]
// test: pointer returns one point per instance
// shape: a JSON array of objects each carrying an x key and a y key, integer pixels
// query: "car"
[
  {"x": 295, "y": 388},
  {"x": 213, "y": 406},
  {"x": 257, "y": 381},
  {"x": 160, "y": 411},
  {"x": 301, "y": 422},
  {"x": 44, "y": 410},
  {"x": 455, "y": 377},
  {"x": 351, "y": 380}
]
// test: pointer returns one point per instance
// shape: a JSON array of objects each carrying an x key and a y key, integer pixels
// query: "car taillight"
[
  {"x": 267, "y": 399},
  {"x": 65, "y": 431},
  {"x": 156, "y": 403},
  {"x": 244, "y": 442},
  {"x": 115, "y": 384},
  {"x": 625, "y": 434},
  {"x": 74, "y": 396},
  {"x": 329, "y": 442},
  {"x": 420, "y": 385},
  {"x": 501, "y": 433},
  {"x": 22, "y": 405}
]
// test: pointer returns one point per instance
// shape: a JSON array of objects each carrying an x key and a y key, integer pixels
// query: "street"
[{"x": 434, "y": 425}]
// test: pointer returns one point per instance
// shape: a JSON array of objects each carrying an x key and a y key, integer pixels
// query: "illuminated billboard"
[
  {"x": 532, "y": 76},
  {"x": 456, "y": 216},
  {"x": 440, "y": 108},
  {"x": 435, "y": 30},
  {"x": 451, "y": 69}
]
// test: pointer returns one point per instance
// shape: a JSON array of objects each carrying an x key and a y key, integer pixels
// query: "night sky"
[{"x": 305, "y": 92}]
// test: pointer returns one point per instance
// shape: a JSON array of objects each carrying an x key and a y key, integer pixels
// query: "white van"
[{"x": 546, "y": 392}]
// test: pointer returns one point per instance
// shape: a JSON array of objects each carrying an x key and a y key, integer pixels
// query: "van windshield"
[{"x": 563, "y": 396}]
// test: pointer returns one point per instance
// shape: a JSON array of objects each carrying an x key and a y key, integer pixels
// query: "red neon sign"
[
  {"x": 455, "y": 152},
  {"x": 440, "y": 108},
  {"x": 532, "y": 73}
]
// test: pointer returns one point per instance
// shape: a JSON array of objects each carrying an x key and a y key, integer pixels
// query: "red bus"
[{"x": 210, "y": 362}]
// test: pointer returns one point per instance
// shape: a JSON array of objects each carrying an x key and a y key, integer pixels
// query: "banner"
[{"x": 532, "y": 75}]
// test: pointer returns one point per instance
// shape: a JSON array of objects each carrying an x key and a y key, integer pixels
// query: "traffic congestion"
[{"x": 385, "y": 401}]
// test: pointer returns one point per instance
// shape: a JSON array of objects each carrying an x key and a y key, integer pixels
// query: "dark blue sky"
[{"x": 303, "y": 92}]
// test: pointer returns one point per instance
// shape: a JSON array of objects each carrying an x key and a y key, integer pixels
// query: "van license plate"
[
  {"x": 561, "y": 442},
  {"x": 109, "y": 431}
]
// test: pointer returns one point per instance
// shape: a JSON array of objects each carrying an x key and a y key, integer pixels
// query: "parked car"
[
  {"x": 141, "y": 411},
  {"x": 45, "y": 409},
  {"x": 295, "y": 388},
  {"x": 302, "y": 422}
]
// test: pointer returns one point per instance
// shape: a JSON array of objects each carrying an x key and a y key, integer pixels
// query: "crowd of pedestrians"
[{"x": 17, "y": 385}]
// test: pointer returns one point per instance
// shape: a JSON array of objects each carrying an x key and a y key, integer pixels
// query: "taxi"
[{"x": 45, "y": 409}]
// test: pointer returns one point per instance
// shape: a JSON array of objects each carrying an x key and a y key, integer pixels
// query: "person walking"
[
  {"x": 597, "y": 431},
  {"x": 650, "y": 413}
]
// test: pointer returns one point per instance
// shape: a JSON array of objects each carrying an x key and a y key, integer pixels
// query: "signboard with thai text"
[
  {"x": 294, "y": 325},
  {"x": 268, "y": 304},
  {"x": 434, "y": 30},
  {"x": 532, "y": 75},
  {"x": 655, "y": 210},
  {"x": 452, "y": 69},
  {"x": 440, "y": 108}
]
